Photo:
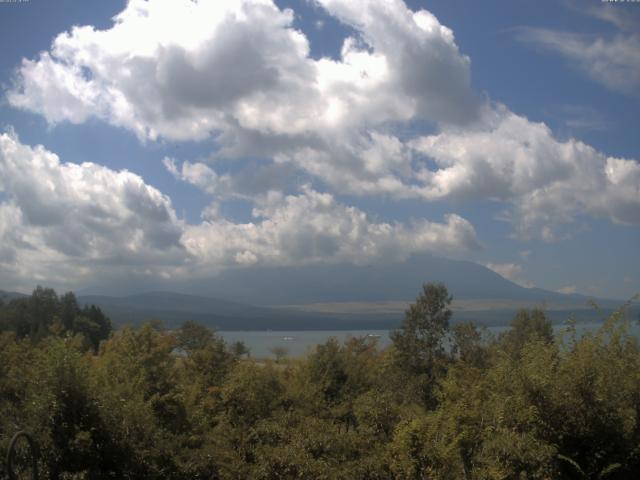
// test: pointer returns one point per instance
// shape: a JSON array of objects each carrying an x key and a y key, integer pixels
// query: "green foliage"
[
  {"x": 420, "y": 337},
  {"x": 467, "y": 344},
  {"x": 44, "y": 313},
  {"x": 527, "y": 325},
  {"x": 441, "y": 403},
  {"x": 419, "y": 344},
  {"x": 280, "y": 353},
  {"x": 193, "y": 336},
  {"x": 239, "y": 349},
  {"x": 251, "y": 393}
]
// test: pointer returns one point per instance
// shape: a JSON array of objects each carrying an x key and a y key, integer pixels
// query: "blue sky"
[{"x": 296, "y": 133}]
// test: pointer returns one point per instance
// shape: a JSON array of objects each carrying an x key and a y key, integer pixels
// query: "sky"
[{"x": 149, "y": 140}]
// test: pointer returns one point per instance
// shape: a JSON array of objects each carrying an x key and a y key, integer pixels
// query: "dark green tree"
[
  {"x": 467, "y": 344},
  {"x": 69, "y": 310},
  {"x": 193, "y": 336},
  {"x": 419, "y": 349},
  {"x": 239, "y": 349},
  {"x": 527, "y": 326}
]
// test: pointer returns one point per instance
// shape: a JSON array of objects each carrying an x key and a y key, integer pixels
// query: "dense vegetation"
[{"x": 444, "y": 402}]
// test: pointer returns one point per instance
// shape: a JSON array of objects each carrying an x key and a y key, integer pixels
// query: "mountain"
[
  {"x": 340, "y": 297},
  {"x": 327, "y": 297},
  {"x": 172, "y": 309},
  {"x": 376, "y": 283},
  {"x": 176, "y": 302},
  {"x": 8, "y": 296},
  {"x": 274, "y": 286}
]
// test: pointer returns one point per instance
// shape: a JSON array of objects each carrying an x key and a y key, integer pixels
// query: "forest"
[{"x": 444, "y": 401}]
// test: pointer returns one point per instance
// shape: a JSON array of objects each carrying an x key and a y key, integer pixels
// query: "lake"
[{"x": 300, "y": 343}]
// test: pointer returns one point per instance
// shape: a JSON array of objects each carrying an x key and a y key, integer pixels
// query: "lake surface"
[{"x": 300, "y": 343}]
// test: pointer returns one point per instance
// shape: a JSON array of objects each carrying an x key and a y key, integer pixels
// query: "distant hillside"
[
  {"x": 8, "y": 296},
  {"x": 326, "y": 297},
  {"x": 177, "y": 302},
  {"x": 377, "y": 283},
  {"x": 174, "y": 308},
  {"x": 273, "y": 286}
]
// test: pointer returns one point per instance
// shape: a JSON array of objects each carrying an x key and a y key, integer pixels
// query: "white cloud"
[
  {"x": 423, "y": 65},
  {"x": 100, "y": 218},
  {"x": 65, "y": 224},
  {"x": 248, "y": 183},
  {"x": 613, "y": 62},
  {"x": 242, "y": 75},
  {"x": 581, "y": 118},
  {"x": 313, "y": 227},
  {"x": 568, "y": 290},
  {"x": 625, "y": 17},
  {"x": 197, "y": 174},
  {"x": 510, "y": 271},
  {"x": 148, "y": 76},
  {"x": 241, "y": 65},
  {"x": 549, "y": 182}
]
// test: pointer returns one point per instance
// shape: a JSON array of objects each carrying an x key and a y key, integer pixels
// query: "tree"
[
  {"x": 44, "y": 313},
  {"x": 239, "y": 349},
  {"x": 193, "y": 336},
  {"x": 137, "y": 377},
  {"x": 418, "y": 343},
  {"x": 527, "y": 326},
  {"x": 69, "y": 310},
  {"x": 467, "y": 344},
  {"x": 43, "y": 310},
  {"x": 251, "y": 393},
  {"x": 93, "y": 324},
  {"x": 280, "y": 353},
  {"x": 32, "y": 316}
]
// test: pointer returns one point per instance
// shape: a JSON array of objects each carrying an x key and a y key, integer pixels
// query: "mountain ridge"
[
  {"x": 349, "y": 283},
  {"x": 337, "y": 297}
]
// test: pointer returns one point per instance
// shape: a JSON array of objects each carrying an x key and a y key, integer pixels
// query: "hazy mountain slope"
[
  {"x": 341, "y": 283},
  {"x": 348, "y": 283},
  {"x": 175, "y": 308},
  {"x": 336, "y": 297},
  {"x": 177, "y": 302},
  {"x": 8, "y": 296}
]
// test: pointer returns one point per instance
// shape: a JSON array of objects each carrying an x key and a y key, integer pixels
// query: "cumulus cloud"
[
  {"x": 145, "y": 75},
  {"x": 510, "y": 271},
  {"x": 423, "y": 65},
  {"x": 247, "y": 183},
  {"x": 548, "y": 182},
  {"x": 613, "y": 62},
  {"x": 242, "y": 75},
  {"x": 507, "y": 270},
  {"x": 241, "y": 64},
  {"x": 568, "y": 290},
  {"x": 56, "y": 211},
  {"x": 197, "y": 174},
  {"x": 313, "y": 227},
  {"x": 63, "y": 223}
]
